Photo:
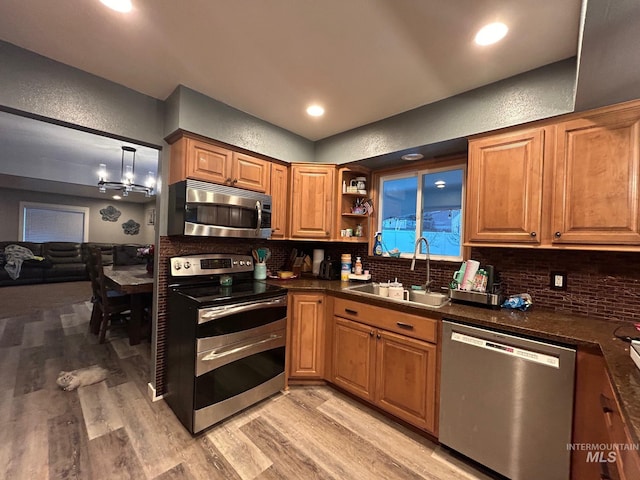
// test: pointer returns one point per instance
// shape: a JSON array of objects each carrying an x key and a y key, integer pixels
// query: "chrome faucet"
[{"x": 427, "y": 285}]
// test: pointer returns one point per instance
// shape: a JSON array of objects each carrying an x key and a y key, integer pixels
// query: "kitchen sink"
[
  {"x": 429, "y": 299},
  {"x": 370, "y": 288}
]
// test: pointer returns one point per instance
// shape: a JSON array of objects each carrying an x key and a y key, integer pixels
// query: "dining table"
[{"x": 135, "y": 281}]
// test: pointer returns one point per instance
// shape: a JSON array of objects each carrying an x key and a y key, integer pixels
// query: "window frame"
[
  {"x": 418, "y": 170},
  {"x": 24, "y": 206}
]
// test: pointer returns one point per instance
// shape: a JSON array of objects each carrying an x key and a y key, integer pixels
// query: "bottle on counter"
[
  {"x": 377, "y": 246},
  {"x": 358, "y": 267},
  {"x": 345, "y": 262}
]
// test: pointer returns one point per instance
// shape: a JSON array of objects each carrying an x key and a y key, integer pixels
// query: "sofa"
[{"x": 64, "y": 261}]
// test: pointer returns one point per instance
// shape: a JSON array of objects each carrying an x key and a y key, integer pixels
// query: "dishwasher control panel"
[{"x": 506, "y": 349}]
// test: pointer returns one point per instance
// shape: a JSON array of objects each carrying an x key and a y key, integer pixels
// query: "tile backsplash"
[{"x": 599, "y": 284}]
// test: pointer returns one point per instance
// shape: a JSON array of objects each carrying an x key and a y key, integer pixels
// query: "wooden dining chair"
[{"x": 107, "y": 304}]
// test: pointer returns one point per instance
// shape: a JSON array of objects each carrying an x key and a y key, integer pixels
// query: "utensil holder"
[{"x": 260, "y": 271}]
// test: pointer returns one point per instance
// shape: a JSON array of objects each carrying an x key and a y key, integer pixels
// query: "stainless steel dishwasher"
[{"x": 507, "y": 401}]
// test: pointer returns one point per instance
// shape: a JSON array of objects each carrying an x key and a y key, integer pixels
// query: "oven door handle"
[
  {"x": 207, "y": 315},
  {"x": 259, "y": 208},
  {"x": 223, "y": 352}
]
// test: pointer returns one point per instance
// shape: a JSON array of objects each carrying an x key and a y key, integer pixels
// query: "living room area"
[{"x": 63, "y": 191}]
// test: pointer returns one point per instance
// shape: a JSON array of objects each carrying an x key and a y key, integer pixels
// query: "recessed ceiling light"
[
  {"x": 412, "y": 156},
  {"x": 315, "y": 110},
  {"x": 118, "y": 5},
  {"x": 491, "y": 33},
  {"x": 116, "y": 197}
]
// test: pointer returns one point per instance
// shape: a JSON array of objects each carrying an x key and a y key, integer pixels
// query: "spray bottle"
[{"x": 377, "y": 246}]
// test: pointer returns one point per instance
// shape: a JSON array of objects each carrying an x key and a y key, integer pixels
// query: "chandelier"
[{"x": 127, "y": 177}]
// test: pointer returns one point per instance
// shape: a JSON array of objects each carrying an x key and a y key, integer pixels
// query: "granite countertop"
[{"x": 539, "y": 323}]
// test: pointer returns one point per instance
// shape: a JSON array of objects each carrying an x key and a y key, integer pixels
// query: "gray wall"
[
  {"x": 610, "y": 58},
  {"x": 41, "y": 86},
  {"x": 99, "y": 230},
  {"x": 540, "y": 93},
  {"x": 197, "y": 113}
]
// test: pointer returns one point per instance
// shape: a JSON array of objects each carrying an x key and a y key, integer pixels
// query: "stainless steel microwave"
[{"x": 210, "y": 210}]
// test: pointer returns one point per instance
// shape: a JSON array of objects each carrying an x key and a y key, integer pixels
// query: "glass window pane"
[
  {"x": 441, "y": 212},
  {"x": 399, "y": 197}
]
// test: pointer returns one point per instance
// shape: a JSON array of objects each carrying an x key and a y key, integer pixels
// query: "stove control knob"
[
  {"x": 248, "y": 263},
  {"x": 235, "y": 262},
  {"x": 187, "y": 265},
  {"x": 241, "y": 263},
  {"x": 177, "y": 266}
]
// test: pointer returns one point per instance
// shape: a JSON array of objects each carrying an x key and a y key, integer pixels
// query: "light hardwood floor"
[{"x": 112, "y": 430}]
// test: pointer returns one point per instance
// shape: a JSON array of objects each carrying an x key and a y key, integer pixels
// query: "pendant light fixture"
[{"x": 127, "y": 177}]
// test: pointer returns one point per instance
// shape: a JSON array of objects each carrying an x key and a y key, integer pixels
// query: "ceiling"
[
  {"x": 363, "y": 60},
  {"x": 45, "y": 157}
]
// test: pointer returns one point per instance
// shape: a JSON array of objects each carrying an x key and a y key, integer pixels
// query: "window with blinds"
[{"x": 41, "y": 222}]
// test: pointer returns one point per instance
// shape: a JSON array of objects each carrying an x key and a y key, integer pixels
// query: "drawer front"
[{"x": 398, "y": 322}]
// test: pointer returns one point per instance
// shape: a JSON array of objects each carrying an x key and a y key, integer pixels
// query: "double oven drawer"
[
  {"x": 224, "y": 358},
  {"x": 218, "y": 351}
]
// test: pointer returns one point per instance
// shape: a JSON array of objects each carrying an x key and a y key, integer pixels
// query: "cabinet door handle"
[
  {"x": 320, "y": 301},
  {"x": 557, "y": 234},
  {"x": 351, "y": 312},
  {"x": 408, "y": 326},
  {"x": 604, "y": 403},
  {"x": 604, "y": 471},
  {"x": 533, "y": 234},
  {"x": 228, "y": 180},
  {"x": 378, "y": 336},
  {"x": 371, "y": 333},
  {"x": 235, "y": 180}
]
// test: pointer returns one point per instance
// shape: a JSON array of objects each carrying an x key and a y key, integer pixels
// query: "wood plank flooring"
[{"x": 112, "y": 430}]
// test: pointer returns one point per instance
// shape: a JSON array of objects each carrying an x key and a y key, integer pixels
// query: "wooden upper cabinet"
[
  {"x": 596, "y": 193},
  {"x": 312, "y": 192},
  {"x": 209, "y": 162},
  {"x": 191, "y": 158},
  {"x": 279, "y": 200},
  {"x": 504, "y": 189},
  {"x": 250, "y": 173}
]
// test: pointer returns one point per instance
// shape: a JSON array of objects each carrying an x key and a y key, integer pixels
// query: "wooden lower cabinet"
[
  {"x": 306, "y": 336},
  {"x": 597, "y": 421},
  {"x": 354, "y": 356},
  {"x": 406, "y": 378},
  {"x": 394, "y": 372}
]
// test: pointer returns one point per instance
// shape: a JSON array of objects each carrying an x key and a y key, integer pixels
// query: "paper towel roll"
[
  {"x": 318, "y": 257},
  {"x": 469, "y": 274}
]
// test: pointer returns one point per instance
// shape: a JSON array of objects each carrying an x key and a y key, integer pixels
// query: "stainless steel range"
[{"x": 225, "y": 338}]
